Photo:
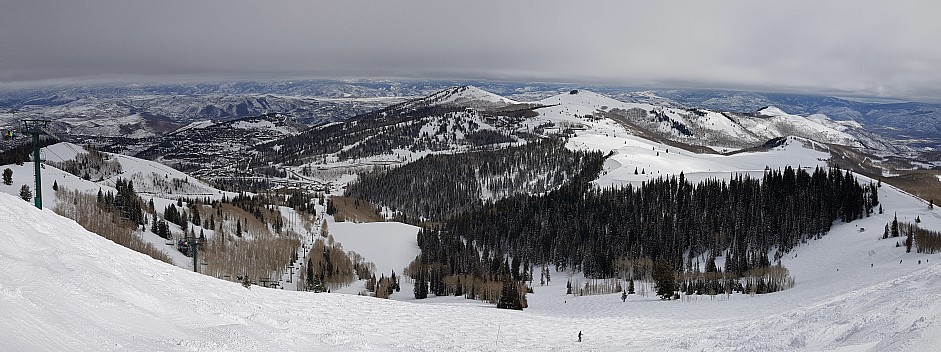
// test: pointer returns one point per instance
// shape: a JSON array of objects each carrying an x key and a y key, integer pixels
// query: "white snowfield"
[
  {"x": 750, "y": 130},
  {"x": 63, "y": 288},
  {"x": 652, "y": 160},
  {"x": 388, "y": 245}
]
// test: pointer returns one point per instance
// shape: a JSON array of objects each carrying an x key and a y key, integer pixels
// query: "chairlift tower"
[
  {"x": 35, "y": 128},
  {"x": 194, "y": 243}
]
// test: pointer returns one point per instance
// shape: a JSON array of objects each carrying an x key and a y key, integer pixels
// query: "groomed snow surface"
[{"x": 63, "y": 288}]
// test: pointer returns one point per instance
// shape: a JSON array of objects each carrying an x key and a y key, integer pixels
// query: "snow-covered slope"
[
  {"x": 652, "y": 160},
  {"x": 388, "y": 245},
  {"x": 152, "y": 181},
  {"x": 468, "y": 96},
  {"x": 704, "y": 127},
  {"x": 63, "y": 288},
  {"x": 130, "y": 126},
  {"x": 773, "y": 121},
  {"x": 149, "y": 177},
  {"x": 23, "y": 175}
]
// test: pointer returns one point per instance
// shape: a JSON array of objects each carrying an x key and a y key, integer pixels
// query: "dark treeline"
[
  {"x": 667, "y": 220},
  {"x": 252, "y": 184},
  {"x": 438, "y": 185},
  {"x": 22, "y": 152},
  {"x": 126, "y": 201}
]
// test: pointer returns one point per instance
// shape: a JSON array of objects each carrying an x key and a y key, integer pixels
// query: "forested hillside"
[
  {"x": 432, "y": 128},
  {"x": 438, "y": 185},
  {"x": 668, "y": 222}
]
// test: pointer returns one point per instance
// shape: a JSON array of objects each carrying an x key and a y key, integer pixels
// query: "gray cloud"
[{"x": 846, "y": 47}]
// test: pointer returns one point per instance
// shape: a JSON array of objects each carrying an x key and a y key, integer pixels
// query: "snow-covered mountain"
[
  {"x": 892, "y": 119},
  {"x": 450, "y": 120},
  {"x": 466, "y": 117},
  {"x": 466, "y": 96},
  {"x": 707, "y": 128},
  {"x": 166, "y": 106},
  {"x": 275, "y": 147},
  {"x": 910, "y": 122}
]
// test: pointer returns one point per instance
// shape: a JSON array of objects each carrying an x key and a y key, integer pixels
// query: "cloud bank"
[{"x": 843, "y": 47}]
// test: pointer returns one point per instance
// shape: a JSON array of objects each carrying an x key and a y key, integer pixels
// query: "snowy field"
[{"x": 388, "y": 245}]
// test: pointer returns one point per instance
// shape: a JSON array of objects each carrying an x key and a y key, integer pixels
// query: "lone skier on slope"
[{"x": 579, "y": 336}]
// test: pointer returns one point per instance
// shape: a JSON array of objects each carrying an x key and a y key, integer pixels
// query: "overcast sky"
[{"x": 876, "y": 48}]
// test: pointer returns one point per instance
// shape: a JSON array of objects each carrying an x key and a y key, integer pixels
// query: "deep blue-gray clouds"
[{"x": 876, "y": 48}]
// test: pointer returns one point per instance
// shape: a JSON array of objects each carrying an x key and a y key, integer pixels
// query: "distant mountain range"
[
  {"x": 277, "y": 148},
  {"x": 195, "y": 126},
  {"x": 160, "y": 108}
]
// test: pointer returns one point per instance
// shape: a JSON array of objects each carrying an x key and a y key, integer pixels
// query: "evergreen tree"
[
  {"x": 318, "y": 286},
  {"x": 194, "y": 217},
  {"x": 313, "y": 281},
  {"x": 25, "y": 193},
  {"x": 630, "y": 286},
  {"x": 510, "y": 296},
  {"x": 331, "y": 208},
  {"x": 895, "y": 226},
  {"x": 421, "y": 285},
  {"x": 7, "y": 176},
  {"x": 711, "y": 264},
  {"x": 910, "y": 239},
  {"x": 127, "y": 201},
  {"x": 55, "y": 185},
  {"x": 395, "y": 283},
  {"x": 238, "y": 228},
  {"x": 163, "y": 229},
  {"x": 664, "y": 278}
]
